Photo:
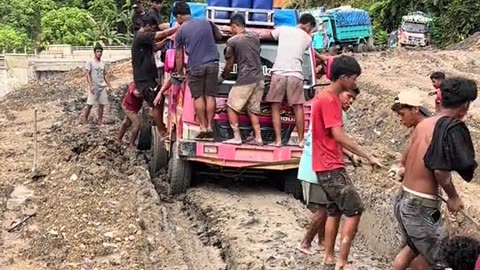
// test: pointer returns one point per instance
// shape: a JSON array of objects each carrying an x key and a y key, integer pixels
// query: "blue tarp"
[
  {"x": 350, "y": 17},
  {"x": 285, "y": 17}
]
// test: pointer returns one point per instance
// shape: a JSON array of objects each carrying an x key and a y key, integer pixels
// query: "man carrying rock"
[
  {"x": 243, "y": 49},
  {"x": 144, "y": 69},
  {"x": 328, "y": 142},
  {"x": 439, "y": 145},
  {"x": 197, "y": 38},
  {"x": 97, "y": 84},
  {"x": 287, "y": 74}
]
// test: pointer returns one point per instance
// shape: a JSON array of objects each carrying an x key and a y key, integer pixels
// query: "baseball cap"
[
  {"x": 135, "y": 6},
  {"x": 409, "y": 98}
]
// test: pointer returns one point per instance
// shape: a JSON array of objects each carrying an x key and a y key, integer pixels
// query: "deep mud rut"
[{"x": 97, "y": 207}]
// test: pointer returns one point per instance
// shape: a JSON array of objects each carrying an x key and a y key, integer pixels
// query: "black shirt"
[
  {"x": 137, "y": 21},
  {"x": 143, "y": 60},
  {"x": 451, "y": 149},
  {"x": 157, "y": 15}
]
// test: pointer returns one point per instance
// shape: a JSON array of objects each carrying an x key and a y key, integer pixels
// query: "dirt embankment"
[{"x": 377, "y": 128}]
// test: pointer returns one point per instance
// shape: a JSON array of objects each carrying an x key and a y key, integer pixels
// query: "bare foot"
[
  {"x": 305, "y": 249},
  {"x": 275, "y": 144}
]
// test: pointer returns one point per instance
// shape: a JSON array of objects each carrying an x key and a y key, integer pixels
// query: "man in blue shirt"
[{"x": 197, "y": 38}]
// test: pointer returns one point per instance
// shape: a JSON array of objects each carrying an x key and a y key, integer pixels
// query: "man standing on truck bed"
[
  {"x": 328, "y": 141},
  {"x": 97, "y": 82},
  {"x": 144, "y": 69},
  {"x": 197, "y": 38},
  {"x": 244, "y": 50},
  {"x": 287, "y": 74},
  {"x": 439, "y": 145}
]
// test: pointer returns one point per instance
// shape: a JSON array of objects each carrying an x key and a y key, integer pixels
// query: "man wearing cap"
[
  {"x": 138, "y": 13},
  {"x": 408, "y": 106}
]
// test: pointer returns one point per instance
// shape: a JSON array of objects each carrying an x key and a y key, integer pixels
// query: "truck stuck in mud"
[{"x": 184, "y": 156}]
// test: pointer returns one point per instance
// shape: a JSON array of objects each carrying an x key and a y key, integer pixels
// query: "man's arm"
[
  {"x": 444, "y": 179},
  {"x": 163, "y": 26},
  {"x": 320, "y": 57},
  {"x": 165, "y": 33},
  {"x": 229, "y": 59},
  {"x": 217, "y": 35},
  {"x": 179, "y": 60},
  {"x": 342, "y": 138},
  {"x": 88, "y": 76}
]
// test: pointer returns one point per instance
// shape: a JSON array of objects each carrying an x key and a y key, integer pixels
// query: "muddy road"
[{"x": 97, "y": 207}]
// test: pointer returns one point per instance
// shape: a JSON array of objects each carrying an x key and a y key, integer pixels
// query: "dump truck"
[
  {"x": 341, "y": 28},
  {"x": 415, "y": 30}
]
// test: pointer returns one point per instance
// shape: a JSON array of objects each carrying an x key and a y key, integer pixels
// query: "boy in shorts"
[{"x": 132, "y": 103}]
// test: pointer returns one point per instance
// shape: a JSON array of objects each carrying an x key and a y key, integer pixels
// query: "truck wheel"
[
  {"x": 145, "y": 137},
  {"x": 159, "y": 157},
  {"x": 292, "y": 185},
  {"x": 362, "y": 47},
  {"x": 179, "y": 172}
]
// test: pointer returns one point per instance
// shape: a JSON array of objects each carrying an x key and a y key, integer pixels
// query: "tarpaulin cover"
[
  {"x": 285, "y": 17},
  {"x": 350, "y": 17}
]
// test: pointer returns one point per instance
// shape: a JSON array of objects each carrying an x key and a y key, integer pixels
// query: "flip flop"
[
  {"x": 233, "y": 141},
  {"x": 252, "y": 141},
  {"x": 275, "y": 144},
  {"x": 304, "y": 250}
]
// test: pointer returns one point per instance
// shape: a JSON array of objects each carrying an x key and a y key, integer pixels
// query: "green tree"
[
  {"x": 103, "y": 9},
  {"x": 10, "y": 39},
  {"x": 67, "y": 26},
  {"x": 105, "y": 34},
  {"x": 26, "y": 15}
]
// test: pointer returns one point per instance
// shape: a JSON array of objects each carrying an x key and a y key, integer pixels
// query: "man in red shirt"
[
  {"x": 328, "y": 139},
  {"x": 132, "y": 103}
]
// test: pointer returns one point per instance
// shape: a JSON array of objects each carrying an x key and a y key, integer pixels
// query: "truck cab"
[
  {"x": 185, "y": 156},
  {"x": 341, "y": 28},
  {"x": 415, "y": 30}
]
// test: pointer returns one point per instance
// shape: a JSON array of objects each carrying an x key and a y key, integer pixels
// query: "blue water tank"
[
  {"x": 220, "y": 3},
  {"x": 261, "y": 4},
  {"x": 241, "y": 4}
]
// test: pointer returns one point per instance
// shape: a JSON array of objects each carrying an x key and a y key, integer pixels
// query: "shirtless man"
[
  {"x": 411, "y": 112},
  {"x": 417, "y": 205}
]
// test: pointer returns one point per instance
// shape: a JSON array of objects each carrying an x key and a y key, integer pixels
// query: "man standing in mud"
[
  {"x": 244, "y": 50},
  {"x": 313, "y": 193},
  {"x": 439, "y": 145},
  {"x": 145, "y": 74},
  {"x": 328, "y": 142},
  {"x": 197, "y": 38},
  {"x": 287, "y": 74},
  {"x": 97, "y": 83}
]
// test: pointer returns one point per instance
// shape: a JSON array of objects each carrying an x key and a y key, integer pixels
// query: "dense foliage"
[
  {"x": 454, "y": 20},
  {"x": 37, "y": 23}
]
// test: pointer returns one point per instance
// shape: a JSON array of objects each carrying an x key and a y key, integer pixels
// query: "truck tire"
[
  {"x": 179, "y": 172},
  {"x": 159, "y": 155},
  {"x": 292, "y": 185},
  {"x": 145, "y": 137}
]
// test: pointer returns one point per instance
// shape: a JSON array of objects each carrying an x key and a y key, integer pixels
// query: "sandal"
[
  {"x": 275, "y": 144},
  {"x": 233, "y": 141},
  {"x": 253, "y": 141}
]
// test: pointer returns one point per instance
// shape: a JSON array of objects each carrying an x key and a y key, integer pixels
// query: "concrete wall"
[{"x": 22, "y": 68}]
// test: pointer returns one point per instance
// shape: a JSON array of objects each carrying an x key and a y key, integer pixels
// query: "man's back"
[
  {"x": 197, "y": 38},
  {"x": 246, "y": 47},
  {"x": 144, "y": 68},
  {"x": 292, "y": 44},
  {"x": 417, "y": 177}
]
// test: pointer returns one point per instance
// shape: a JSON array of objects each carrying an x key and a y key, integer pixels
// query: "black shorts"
[
  {"x": 422, "y": 227},
  {"x": 149, "y": 90},
  {"x": 341, "y": 192},
  {"x": 203, "y": 79}
]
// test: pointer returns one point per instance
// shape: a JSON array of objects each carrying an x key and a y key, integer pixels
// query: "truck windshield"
[
  {"x": 268, "y": 54},
  {"x": 415, "y": 27}
]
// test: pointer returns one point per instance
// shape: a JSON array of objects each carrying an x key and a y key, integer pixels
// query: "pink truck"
[{"x": 184, "y": 156}]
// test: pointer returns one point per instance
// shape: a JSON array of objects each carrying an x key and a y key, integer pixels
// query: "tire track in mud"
[{"x": 260, "y": 228}]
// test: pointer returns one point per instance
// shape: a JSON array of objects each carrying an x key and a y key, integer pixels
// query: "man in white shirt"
[{"x": 287, "y": 74}]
